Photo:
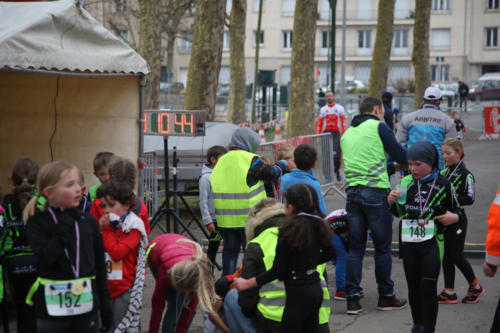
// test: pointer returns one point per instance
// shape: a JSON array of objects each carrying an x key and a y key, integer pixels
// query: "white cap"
[{"x": 432, "y": 94}]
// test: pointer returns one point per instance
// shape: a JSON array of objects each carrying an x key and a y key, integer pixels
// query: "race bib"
[
  {"x": 69, "y": 298},
  {"x": 416, "y": 231},
  {"x": 113, "y": 268}
]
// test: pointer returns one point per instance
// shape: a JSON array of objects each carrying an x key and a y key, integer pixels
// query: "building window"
[
  {"x": 120, "y": 6},
  {"x": 402, "y": 9},
  {"x": 492, "y": 37},
  {"x": 287, "y": 7},
  {"x": 440, "y": 5},
  {"x": 261, "y": 42},
  {"x": 285, "y": 74},
  {"x": 229, "y": 6},
  {"x": 493, "y": 4},
  {"x": 400, "y": 72},
  {"x": 123, "y": 34},
  {"x": 364, "y": 39},
  {"x": 225, "y": 41},
  {"x": 224, "y": 75},
  {"x": 325, "y": 39},
  {"x": 440, "y": 73},
  {"x": 287, "y": 40},
  {"x": 183, "y": 75},
  {"x": 362, "y": 73},
  {"x": 324, "y": 10},
  {"x": 400, "y": 39},
  {"x": 440, "y": 39},
  {"x": 185, "y": 43},
  {"x": 365, "y": 10},
  {"x": 324, "y": 75},
  {"x": 256, "y": 5}
]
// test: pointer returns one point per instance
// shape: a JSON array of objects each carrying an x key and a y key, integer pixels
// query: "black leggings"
[
  {"x": 421, "y": 264},
  {"x": 21, "y": 275},
  {"x": 301, "y": 313},
  {"x": 454, "y": 239}
]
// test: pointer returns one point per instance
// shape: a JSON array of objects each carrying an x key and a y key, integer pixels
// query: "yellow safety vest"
[
  {"x": 232, "y": 196},
  {"x": 272, "y": 295}
]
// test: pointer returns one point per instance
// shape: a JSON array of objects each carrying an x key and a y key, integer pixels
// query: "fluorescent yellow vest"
[
  {"x": 232, "y": 196},
  {"x": 365, "y": 159},
  {"x": 272, "y": 295},
  {"x": 93, "y": 192}
]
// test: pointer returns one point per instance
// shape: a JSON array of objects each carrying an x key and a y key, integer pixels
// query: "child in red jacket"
[
  {"x": 125, "y": 242},
  {"x": 124, "y": 171}
]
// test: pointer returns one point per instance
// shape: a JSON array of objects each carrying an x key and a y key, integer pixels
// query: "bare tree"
[
  {"x": 302, "y": 68},
  {"x": 420, "y": 56},
  {"x": 236, "y": 98},
  {"x": 206, "y": 54},
  {"x": 382, "y": 49},
  {"x": 150, "y": 50}
]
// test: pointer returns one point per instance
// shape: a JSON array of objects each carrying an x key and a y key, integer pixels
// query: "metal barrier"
[
  {"x": 324, "y": 147},
  {"x": 151, "y": 188}
]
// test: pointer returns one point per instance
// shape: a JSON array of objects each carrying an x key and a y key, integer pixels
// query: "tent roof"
[{"x": 58, "y": 35}]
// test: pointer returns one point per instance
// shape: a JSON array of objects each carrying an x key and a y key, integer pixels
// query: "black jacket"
[
  {"x": 49, "y": 241},
  {"x": 462, "y": 181}
]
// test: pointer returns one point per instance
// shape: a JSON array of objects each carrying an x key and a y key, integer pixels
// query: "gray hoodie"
[
  {"x": 245, "y": 138},
  {"x": 206, "y": 200}
]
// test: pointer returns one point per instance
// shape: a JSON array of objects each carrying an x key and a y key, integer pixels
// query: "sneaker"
[
  {"x": 391, "y": 303},
  {"x": 473, "y": 295},
  {"x": 353, "y": 306},
  {"x": 340, "y": 295},
  {"x": 445, "y": 298}
]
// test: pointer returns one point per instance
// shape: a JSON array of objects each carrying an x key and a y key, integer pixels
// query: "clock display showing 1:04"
[{"x": 174, "y": 122}]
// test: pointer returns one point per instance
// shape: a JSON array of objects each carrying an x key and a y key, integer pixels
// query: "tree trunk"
[
  {"x": 302, "y": 68},
  {"x": 237, "y": 92},
  {"x": 382, "y": 49},
  {"x": 420, "y": 56},
  {"x": 170, "y": 54},
  {"x": 206, "y": 54},
  {"x": 150, "y": 50}
]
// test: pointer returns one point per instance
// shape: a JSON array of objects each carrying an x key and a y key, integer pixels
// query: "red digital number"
[{"x": 164, "y": 123}]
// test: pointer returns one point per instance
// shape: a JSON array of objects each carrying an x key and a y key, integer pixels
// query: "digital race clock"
[{"x": 174, "y": 122}]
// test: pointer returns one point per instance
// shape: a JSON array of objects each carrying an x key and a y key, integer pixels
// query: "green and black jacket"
[
  {"x": 441, "y": 199},
  {"x": 462, "y": 181}
]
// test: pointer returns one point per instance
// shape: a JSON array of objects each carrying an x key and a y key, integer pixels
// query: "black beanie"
[{"x": 424, "y": 151}]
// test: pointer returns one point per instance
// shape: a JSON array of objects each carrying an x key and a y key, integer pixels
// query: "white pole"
[{"x": 342, "y": 68}]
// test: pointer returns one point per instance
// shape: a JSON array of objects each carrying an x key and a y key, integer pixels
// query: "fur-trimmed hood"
[{"x": 270, "y": 216}]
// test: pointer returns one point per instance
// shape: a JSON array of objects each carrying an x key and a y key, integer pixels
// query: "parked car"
[
  {"x": 171, "y": 87},
  {"x": 449, "y": 90},
  {"x": 485, "y": 89}
]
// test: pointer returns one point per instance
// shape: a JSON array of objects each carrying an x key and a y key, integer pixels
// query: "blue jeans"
[
  {"x": 235, "y": 319},
  {"x": 234, "y": 239},
  {"x": 340, "y": 263},
  {"x": 367, "y": 208}
]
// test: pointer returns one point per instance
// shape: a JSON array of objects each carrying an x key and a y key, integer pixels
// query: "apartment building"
[{"x": 464, "y": 40}]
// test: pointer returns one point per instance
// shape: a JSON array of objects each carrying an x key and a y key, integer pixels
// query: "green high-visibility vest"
[
  {"x": 93, "y": 192},
  {"x": 272, "y": 295},
  {"x": 365, "y": 159},
  {"x": 232, "y": 196}
]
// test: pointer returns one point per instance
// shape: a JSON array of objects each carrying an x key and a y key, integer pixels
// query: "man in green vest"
[
  {"x": 365, "y": 146},
  {"x": 237, "y": 185}
]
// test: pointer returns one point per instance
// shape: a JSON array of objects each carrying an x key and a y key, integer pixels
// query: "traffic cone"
[
  {"x": 277, "y": 132},
  {"x": 261, "y": 133}
]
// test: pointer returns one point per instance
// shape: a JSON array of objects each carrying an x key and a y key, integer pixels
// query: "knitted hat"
[{"x": 424, "y": 151}]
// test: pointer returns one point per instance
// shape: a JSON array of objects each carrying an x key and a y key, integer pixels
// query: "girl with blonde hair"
[
  {"x": 183, "y": 280},
  {"x": 71, "y": 286}
]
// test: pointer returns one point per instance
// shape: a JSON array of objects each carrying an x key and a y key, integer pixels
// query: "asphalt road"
[{"x": 483, "y": 160}]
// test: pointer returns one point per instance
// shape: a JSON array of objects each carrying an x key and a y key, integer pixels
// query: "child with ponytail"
[
  {"x": 183, "y": 280},
  {"x": 71, "y": 286},
  {"x": 18, "y": 259},
  {"x": 462, "y": 181},
  {"x": 303, "y": 244}
]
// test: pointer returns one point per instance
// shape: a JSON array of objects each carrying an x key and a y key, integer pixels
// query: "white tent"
[{"x": 68, "y": 88}]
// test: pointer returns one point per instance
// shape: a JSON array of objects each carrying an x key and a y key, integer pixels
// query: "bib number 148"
[{"x": 417, "y": 231}]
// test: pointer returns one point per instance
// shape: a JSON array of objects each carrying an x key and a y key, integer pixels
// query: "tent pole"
[{"x": 142, "y": 84}]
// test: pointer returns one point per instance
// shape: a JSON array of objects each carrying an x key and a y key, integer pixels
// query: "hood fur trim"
[{"x": 265, "y": 214}]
